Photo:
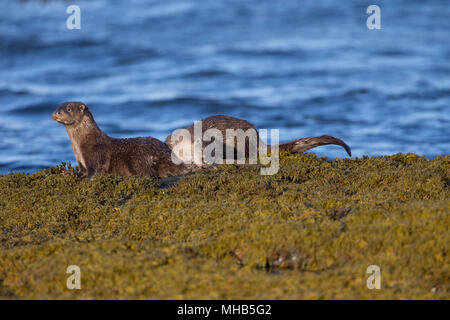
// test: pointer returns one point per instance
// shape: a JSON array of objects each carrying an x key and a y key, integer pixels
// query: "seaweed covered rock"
[{"x": 310, "y": 231}]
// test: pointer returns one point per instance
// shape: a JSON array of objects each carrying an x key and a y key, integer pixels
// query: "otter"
[
  {"x": 223, "y": 122},
  {"x": 97, "y": 153}
]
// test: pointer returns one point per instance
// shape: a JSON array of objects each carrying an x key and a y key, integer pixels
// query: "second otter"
[{"x": 224, "y": 123}]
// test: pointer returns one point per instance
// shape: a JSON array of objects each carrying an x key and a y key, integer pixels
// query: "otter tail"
[{"x": 301, "y": 145}]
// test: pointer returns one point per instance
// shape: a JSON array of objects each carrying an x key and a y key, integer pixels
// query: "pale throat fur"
[{"x": 80, "y": 133}]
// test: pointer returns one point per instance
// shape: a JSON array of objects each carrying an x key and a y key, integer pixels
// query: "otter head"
[{"x": 70, "y": 113}]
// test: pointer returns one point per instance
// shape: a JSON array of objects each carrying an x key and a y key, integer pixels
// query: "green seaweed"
[{"x": 308, "y": 232}]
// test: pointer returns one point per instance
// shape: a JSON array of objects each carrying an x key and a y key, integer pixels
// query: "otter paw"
[{"x": 66, "y": 173}]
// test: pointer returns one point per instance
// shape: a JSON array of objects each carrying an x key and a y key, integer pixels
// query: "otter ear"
[{"x": 82, "y": 107}]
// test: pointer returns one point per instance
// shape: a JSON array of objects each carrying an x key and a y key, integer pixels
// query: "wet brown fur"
[
  {"x": 223, "y": 123},
  {"x": 97, "y": 153}
]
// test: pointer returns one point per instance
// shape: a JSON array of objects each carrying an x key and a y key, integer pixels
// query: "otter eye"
[{"x": 69, "y": 110}]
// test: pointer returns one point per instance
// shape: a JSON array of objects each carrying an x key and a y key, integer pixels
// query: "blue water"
[{"x": 147, "y": 67}]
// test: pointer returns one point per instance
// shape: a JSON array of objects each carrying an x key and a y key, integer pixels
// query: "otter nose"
[{"x": 56, "y": 114}]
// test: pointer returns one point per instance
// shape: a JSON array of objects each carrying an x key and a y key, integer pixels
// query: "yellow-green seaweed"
[{"x": 308, "y": 232}]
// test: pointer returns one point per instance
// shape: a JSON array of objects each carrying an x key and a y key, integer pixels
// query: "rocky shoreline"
[{"x": 308, "y": 232}]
